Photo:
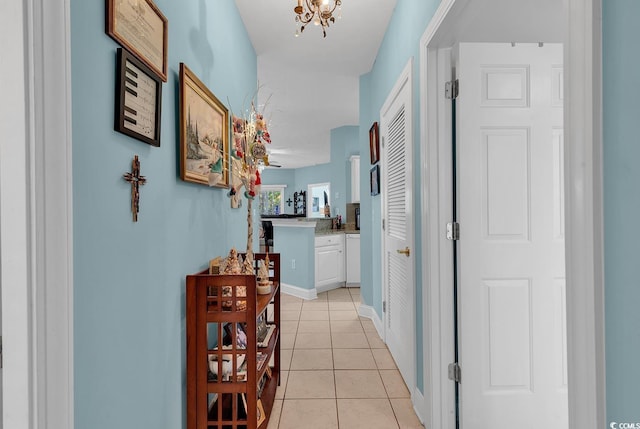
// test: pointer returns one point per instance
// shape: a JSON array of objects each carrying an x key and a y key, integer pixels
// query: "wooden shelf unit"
[{"x": 214, "y": 306}]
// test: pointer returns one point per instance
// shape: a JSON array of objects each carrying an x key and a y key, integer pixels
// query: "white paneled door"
[
  {"x": 512, "y": 341},
  {"x": 398, "y": 252}
]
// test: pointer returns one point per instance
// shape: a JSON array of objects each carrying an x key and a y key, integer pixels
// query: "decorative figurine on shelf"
[
  {"x": 264, "y": 284},
  {"x": 233, "y": 265}
]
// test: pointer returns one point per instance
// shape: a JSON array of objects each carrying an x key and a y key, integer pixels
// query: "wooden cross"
[
  {"x": 289, "y": 202},
  {"x": 136, "y": 180}
]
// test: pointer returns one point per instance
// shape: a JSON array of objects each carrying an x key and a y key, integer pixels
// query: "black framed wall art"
[
  {"x": 138, "y": 99},
  {"x": 374, "y": 176}
]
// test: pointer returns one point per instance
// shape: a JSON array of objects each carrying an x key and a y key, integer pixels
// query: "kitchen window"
[{"x": 271, "y": 199}]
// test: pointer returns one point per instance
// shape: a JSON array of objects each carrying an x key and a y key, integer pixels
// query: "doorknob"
[{"x": 406, "y": 251}]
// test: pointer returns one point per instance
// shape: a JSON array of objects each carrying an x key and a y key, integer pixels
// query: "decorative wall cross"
[
  {"x": 289, "y": 202},
  {"x": 136, "y": 180}
]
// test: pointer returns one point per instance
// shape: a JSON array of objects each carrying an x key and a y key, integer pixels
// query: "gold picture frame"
[
  {"x": 204, "y": 132},
  {"x": 140, "y": 27}
]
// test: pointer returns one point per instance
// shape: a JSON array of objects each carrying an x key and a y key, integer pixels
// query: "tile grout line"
[
  {"x": 335, "y": 380},
  {"x": 370, "y": 348}
]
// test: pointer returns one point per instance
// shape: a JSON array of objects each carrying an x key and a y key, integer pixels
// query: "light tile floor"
[{"x": 337, "y": 372}]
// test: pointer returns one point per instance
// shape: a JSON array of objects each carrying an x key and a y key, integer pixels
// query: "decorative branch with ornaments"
[{"x": 248, "y": 152}]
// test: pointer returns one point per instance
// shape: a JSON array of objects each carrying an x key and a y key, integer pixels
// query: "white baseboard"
[
  {"x": 366, "y": 311},
  {"x": 369, "y": 312},
  {"x": 299, "y": 292},
  {"x": 417, "y": 398}
]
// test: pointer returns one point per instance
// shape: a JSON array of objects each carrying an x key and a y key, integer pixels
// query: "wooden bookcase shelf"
[{"x": 228, "y": 386}]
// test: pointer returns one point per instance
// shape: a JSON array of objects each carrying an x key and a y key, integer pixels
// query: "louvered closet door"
[{"x": 398, "y": 233}]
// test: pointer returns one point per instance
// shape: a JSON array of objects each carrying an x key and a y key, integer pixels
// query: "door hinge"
[
  {"x": 455, "y": 373},
  {"x": 384, "y": 306},
  {"x": 383, "y": 224},
  {"x": 451, "y": 89},
  {"x": 453, "y": 231},
  {"x": 1, "y": 363}
]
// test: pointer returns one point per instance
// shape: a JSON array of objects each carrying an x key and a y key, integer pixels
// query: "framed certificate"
[
  {"x": 138, "y": 99},
  {"x": 139, "y": 26}
]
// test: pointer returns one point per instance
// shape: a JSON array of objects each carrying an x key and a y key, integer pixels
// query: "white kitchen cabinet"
[
  {"x": 353, "y": 259},
  {"x": 355, "y": 178},
  {"x": 329, "y": 261}
]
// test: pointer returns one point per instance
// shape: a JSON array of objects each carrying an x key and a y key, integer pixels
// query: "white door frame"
[
  {"x": 583, "y": 211},
  {"x": 405, "y": 80},
  {"x": 36, "y": 252}
]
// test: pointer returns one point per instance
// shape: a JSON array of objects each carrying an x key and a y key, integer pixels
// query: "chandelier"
[{"x": 318, "y": 11}]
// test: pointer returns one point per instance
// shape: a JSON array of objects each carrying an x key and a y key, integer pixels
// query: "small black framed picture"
[
  {"x": 375, "y": 180},
  {"x": 138, "y": 99}
]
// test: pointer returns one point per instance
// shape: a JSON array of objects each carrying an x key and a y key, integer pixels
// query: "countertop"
[
  {"x": 283, "y": 216},
  {"x": 338, "y": 231}
]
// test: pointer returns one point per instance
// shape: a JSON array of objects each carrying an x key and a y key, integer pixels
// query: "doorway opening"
[{"x": 577, "y": 27}]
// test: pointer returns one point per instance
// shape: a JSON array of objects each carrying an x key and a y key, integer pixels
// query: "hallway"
[{"x": 337, "y": 373}]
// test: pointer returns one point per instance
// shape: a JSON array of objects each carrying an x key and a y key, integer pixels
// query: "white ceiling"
[{"x": 312, "y": 82}]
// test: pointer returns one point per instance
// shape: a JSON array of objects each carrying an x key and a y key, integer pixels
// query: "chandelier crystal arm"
[
  {"x": 318, "y": 11},
  {"x": 306, "y": 19}
]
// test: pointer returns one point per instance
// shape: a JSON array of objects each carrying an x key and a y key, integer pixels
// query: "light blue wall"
[
  {"x": 295, "y": 244},
  {"x": 344, "y": 143},
  {"x": 369, "y": 227},
  {"x": 401, "y": 41},
  {"x": 129, "y": 277},
  {"x": 621, "y": 208}
]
